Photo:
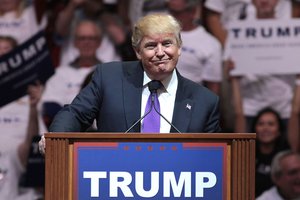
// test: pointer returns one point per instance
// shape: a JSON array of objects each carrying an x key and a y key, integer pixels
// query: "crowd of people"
[{"x": 84, "y": 33}]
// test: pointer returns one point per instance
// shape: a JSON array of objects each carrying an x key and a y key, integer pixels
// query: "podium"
[{"x": 226, "y": 164}]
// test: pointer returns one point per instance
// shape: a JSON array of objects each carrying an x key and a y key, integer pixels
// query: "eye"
[
  {"x": 167, "y": 43},
  {"x": 260, "y": 123},
  {"x": 150, "y": 46}
]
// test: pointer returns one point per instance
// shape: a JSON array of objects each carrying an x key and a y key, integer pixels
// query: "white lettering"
[
  {"x": 122, "y": 180},
  {"x": 201, "y": 184},
  {"x": 15, "y": 63},
  {"x": 17, "y": 59},
  {"x": 185, "y": 180},
  {"x": 139, "y": 183},
  {"x": 40, "y": 43},
  {"x": 114, "y": 183},
  {"x": 95, "y": 183},
  {"x": 265, "y": 32},
  {"x": 29, "y": 52}
]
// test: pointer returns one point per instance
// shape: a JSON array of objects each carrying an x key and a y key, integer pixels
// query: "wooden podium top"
[{"x": 94, "y": 135}]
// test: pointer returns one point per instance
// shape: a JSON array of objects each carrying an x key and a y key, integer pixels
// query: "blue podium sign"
[{"x": 140, "y": 170}]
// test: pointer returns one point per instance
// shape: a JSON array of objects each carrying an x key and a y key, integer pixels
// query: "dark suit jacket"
[{"x": 113, "y": 98}]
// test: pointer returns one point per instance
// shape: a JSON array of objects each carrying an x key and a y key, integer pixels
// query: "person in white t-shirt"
[
  {"x": 19, "y": 20},
  {"x": 14, "y": 115},
  {"x": 72, "y": 14},
  {"x": 19, "y": 123},
  {"x": 200, "y": 59},
  {"x": 219, "y": 13},
  {"x": 217, "y": 16},
  {"x": 261, "y": 91},
  {"x": 67, "y": 81},
  {"x": 285, "y": 171},
  {"x": 14, "y": 123}
]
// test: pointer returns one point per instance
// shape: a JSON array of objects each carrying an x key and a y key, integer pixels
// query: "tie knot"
[{"x": 154, "y": 85}]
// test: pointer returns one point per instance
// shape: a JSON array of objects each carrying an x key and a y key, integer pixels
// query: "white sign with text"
[{"x": 264, "y": 46}]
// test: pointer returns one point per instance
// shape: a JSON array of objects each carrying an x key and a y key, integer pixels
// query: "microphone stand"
[
  {"x": 152, "y": 106},
  {"x": 133, "y": 125}
]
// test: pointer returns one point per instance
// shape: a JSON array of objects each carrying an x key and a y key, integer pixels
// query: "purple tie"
[{"x": 151, "y": 123}]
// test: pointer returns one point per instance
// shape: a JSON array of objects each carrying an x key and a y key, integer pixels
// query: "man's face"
[
  {"x": 265, "y": 7},
  {"x": 289, "y": 181},
  {"x": 159, "y": 54},
  {"x": 87, "y": 40}
]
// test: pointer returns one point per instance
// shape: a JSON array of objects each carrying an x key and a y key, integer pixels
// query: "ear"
[
  {"x": 179, "y": 50},
  {"x": 137, "y": 53},
  {"x": 276, "y": 180}
]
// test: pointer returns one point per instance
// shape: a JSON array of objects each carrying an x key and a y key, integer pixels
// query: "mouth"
[
  {"x": 159, "y": 62},
  {"x": 267, "y": 137},
  {"x": 265, "y": 134}
]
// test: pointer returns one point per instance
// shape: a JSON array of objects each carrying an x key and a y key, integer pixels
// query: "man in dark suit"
[{"x": 117, "y": 94}]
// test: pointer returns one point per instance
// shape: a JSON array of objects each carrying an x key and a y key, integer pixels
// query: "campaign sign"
[
  {"x": 24, "y": 65},
  {"x": 265, "y": 46},
  {"x": 152, "y": 170}
]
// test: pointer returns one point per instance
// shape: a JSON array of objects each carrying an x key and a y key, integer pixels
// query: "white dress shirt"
[{"x": 166, "y": 97}]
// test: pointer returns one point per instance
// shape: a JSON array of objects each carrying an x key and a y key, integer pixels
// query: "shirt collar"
[{"x": 170, "y": 83}]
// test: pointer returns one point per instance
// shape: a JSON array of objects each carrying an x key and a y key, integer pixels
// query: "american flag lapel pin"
[{"x": 188, "y": 106}]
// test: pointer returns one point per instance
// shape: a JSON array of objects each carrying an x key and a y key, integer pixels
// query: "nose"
[{"x": 160, "y": 51}]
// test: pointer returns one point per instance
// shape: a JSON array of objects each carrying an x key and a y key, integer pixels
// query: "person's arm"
[
  {"x": 215, "y": 26},
  {"x": 35, "y": 92},
  {"x": 40, "y": 8},
  {"x": 123, "y": 12},
  {"x": 239, "y": 118},
  {"x": 213, "y": 86},
  {"x": 65, "y": 17},
  {"x": 240, "y": 121},
  {"x": 80, "y": 114},
  {"x": 295, "y": 8},
  {"x": 293, "y": 125}
]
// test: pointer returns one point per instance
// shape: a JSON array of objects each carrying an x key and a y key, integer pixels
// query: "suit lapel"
[
  {"x": 183, "y": 107},
  {"x": 132, "y": 88}
]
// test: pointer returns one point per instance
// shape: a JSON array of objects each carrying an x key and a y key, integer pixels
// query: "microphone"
[{"x": 153, "y": 86}]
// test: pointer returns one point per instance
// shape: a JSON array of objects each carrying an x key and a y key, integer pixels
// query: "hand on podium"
[{"x": 42, "y": 145}]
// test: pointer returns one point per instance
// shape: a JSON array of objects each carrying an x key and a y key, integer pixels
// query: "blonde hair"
[{"x": 155, "y": 24}]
